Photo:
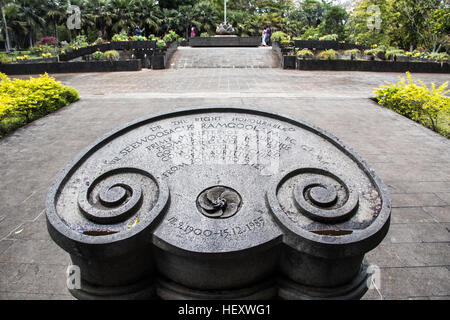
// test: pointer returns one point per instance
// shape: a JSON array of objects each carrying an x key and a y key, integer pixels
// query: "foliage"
[
  {"x": 22, "y": 101},
  {"x": 406, "y": 24},
  {"x": 4, "y": 58},
  {"x": 374, "y": 51},
  {"x": 329, "y": 37},
  {"x": 279, "y": 36},
  {"x": 429, "y": 107},
  {"x": 160, "y": 43},
  {"x": 353, "y": 52},
  {"x": 394, "y": 52},
  {"x": 139, "y": 38},
  {"x": 304, "y": 53},
  {"x": 46, "y": 55},
  {"x": 311, "y": 34},
  {"x": 329, "y": 54},
  {"x": 48, "y": 41},
  {"x": 98, "y": 55},
  {"x": 22, "y": 58},
  {"x": 120, "y": 37},
  {"x": 111, "y": 55},
  {"x": 204, "y": 35},
  {"x": 170, "y": 37}
]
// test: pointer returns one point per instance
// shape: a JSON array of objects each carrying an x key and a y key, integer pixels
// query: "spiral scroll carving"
[
  {"x": 219, "y": 202},
  {"x": 111, "y": 198},
  {"x": 325, "y": 198}
]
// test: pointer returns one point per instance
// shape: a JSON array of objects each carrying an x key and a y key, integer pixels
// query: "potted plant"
[
  {"x": 305, "y": 54},
  {"x": 328, "y": 54},
  {"x": 353, "y": 53},
  {"x": 393, "y": 53}
]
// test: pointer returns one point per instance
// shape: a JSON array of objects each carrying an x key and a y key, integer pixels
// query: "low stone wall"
[
  {"x": 224, "y": 41},
  {"x": 69, "y": 67},
  {"x": 374, "y": 66}
]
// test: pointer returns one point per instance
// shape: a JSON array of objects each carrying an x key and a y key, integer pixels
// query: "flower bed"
[{"x": 22, "y": 101}]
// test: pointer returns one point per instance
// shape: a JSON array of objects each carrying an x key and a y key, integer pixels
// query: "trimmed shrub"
[
  {"x": 305, "y": 53},
  {"x": 329, "y": 54},
  {"x": 111, "y": 55},
  {"x": 279, "y": 36},
  {"x": 160, "y": 43},
  {"x": 22, "y": 101},
  {"x": 429, "y": 107},
  {"x": 98, "y": 55}
]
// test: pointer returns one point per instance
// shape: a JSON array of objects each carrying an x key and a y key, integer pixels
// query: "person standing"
[
  {"x": 138, "y": 31},
  {"x": 192, "y": 32},
  {"x": 268, "y": 34},
  {"x": 263, "y": 37}
]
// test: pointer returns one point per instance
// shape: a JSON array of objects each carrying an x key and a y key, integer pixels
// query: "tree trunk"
[
  {"x": 7, "y": 43},
  {"x": 55, "y": 34},
  {"x": 31, "y": 38}
]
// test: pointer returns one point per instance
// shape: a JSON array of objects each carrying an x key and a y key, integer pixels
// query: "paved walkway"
[{"x": 413, "y": 161}]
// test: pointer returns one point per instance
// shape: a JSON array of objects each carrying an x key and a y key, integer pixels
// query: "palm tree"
[
  {"x": 206, "y": 16},
  {"x": 55, "y": 13},
  {"x": 29, "y": 11},
  {"x": 122, "y": 14},
  {"x": 149, "y": 15}
]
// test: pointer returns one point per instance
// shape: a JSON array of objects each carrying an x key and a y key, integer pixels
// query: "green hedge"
[{"x": 22, "y": 101}]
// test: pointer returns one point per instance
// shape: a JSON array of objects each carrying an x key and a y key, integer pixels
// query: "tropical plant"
[
  {"x": 160, "y": 43},
  {"x": 394, "y": 52},
  {"x": 279, "y": 35},
  {"x": 98, "y": 55},
  {"x": 120, "y": 36},
  {"x": 332, "y": 37},
  {"x": 353, "y": 53},
  {"x": 329, "y": 54},
  {"x": 111, "y": 55},
  {"x": 304, "y": 53}
]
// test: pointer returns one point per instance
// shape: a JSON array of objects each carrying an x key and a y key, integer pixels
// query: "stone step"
[{"x": 187, "y": 57}]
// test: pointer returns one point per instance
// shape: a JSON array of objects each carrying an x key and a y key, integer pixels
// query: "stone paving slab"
[{"x": 413, "y": 161}]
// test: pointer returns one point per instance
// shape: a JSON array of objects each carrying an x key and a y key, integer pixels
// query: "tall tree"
[{"x": 5, "y": 25}]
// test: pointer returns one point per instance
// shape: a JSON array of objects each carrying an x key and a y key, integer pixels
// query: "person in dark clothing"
[
  {"x": 138, "y": 31},
  {"x": 268, "y": 34}
]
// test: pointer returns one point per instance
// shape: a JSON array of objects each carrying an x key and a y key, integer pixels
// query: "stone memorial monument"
[{"x": 218, "y": 203}]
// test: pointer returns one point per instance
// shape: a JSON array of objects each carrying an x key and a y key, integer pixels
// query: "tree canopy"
[{"x": 404, "y": 23}]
